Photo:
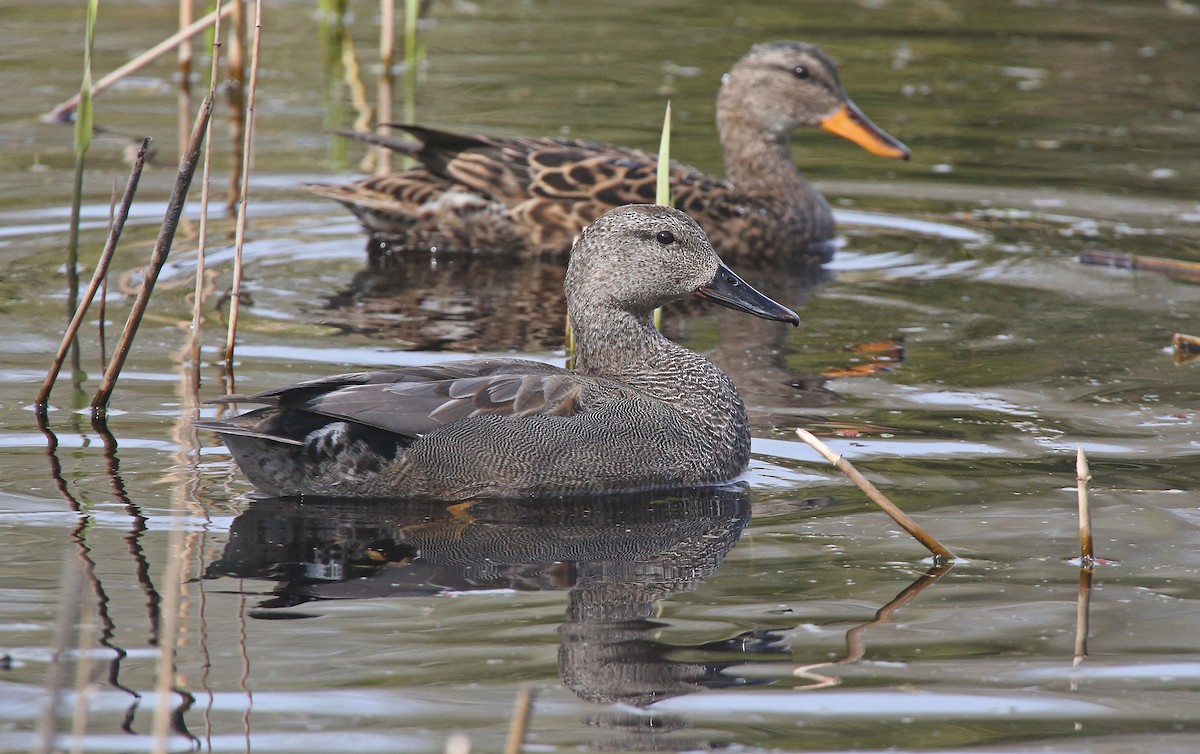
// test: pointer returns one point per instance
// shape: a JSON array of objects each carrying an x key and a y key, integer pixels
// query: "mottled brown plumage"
[
  {"x": 528, "y": 194},
  {"x": 637, "y": 412}
]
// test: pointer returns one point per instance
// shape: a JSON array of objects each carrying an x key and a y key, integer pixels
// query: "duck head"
[
  {"x": 785, "y": 86},
  {"x": 639, "y": 257}
]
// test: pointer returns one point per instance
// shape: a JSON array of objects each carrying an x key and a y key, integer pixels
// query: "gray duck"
[
  {"x": 637, "y": 412},
  {"x": 475, "y": 192}
]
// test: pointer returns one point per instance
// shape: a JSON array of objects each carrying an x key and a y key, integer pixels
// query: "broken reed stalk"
[
  {"x": 517, "y": 728},
  {"x": 166, "y": 234},
  {"x": 61, "y": 112},
  {"x": 202, "y": 240},
  {"x": 98, "y": 277},
  {"x": 899, "y": 516},
  {"x": 387, "y": 82},
  {"x": 247, "y": 148},
  {"x": 1083, "y": 475}
]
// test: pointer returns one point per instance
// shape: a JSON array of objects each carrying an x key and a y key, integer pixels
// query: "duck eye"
[
  {"x": 800, "y": 72},
  {"x": 666, "y": 237}
]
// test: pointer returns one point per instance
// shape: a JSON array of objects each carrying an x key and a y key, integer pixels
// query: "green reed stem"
[
  {"x": 662, "y": 184},
  {"x": 83, "y": 141}
]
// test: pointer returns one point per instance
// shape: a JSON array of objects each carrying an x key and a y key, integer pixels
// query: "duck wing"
[
  {"x": 536, "y": 191},
  {"x": 416, "y": 400}
]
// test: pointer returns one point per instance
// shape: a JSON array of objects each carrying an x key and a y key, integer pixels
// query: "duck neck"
[
  {"x": 758, "y": 155},
  {"x": 615, "y": 343},
  {"x": 626, "y": 348}
]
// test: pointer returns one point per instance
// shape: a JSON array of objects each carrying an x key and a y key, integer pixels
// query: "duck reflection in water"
[
  {"x": 471, "y": 303},
  {"x": 617, "y": 557}
]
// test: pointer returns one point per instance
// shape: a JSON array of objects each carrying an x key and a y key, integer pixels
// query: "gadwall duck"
[
  {"x": 515, "y": 194},
  {"x": 637, "y": 412}
]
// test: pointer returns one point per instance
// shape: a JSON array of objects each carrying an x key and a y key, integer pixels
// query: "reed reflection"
[{"x": 81, "y": 535}]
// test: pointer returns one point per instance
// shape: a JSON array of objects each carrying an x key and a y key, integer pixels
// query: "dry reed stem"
[
  {"x": 899, "y": 516},
  {"x": 235, "y": 91},
  {"x": 110, "y": 246},
  {"x": 517, "y": 728},
  {"x": 59, "y": 113},
  {"x": 387, "y": 62},
  {"x": 412, "y": 13},
  {"x": 158, "y": 258},
  {"x": 187, "y": 14},
  {"x": 201, "y": 243},
  {"x": 247, "y": 149},
  {"x": 1082, "y": 476}
]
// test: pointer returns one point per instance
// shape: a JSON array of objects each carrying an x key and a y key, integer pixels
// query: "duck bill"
[
  {"x": 727, "y": 289},
  {"x": 849, "y": 122}
]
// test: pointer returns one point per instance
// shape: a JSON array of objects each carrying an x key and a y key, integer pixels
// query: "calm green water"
[{"x": 785, "y": 615}]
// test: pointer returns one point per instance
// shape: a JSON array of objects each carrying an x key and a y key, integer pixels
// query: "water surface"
[{"x": 956, "y": 350}]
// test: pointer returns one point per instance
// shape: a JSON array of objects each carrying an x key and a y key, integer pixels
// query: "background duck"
[
  {"x": 474, "y": 192},
  {"x": 638, "y": 412}
]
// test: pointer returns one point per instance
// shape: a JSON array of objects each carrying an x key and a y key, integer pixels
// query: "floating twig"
[
  {"x": 1186, "y": 347},
  {"x": 1172, "y": 268},
  {"x": 247, "y": 148},
  {"x": 899, "y": 516},
  {"x": 519, "y": 724},
  {"x": 61, "y": 112},
  {"x": 166, "y": 235},
  {"x": 98, "y": 277},
  {"x": 1082, "y": 476}
]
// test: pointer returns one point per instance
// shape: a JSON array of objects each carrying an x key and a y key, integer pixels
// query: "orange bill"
[{"x": 850, "y": 123}]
